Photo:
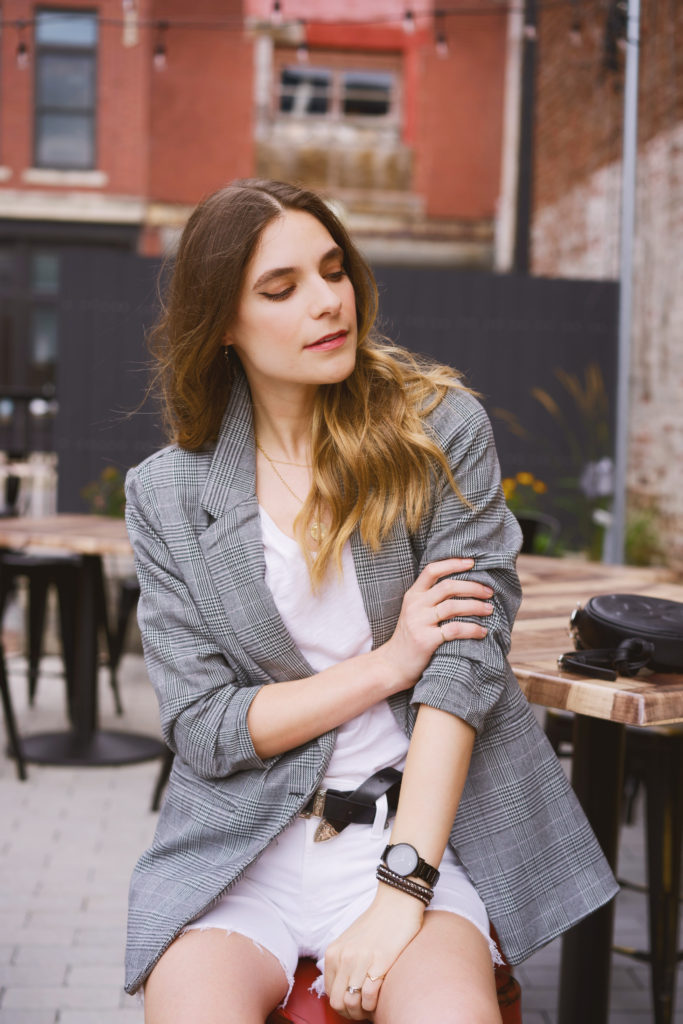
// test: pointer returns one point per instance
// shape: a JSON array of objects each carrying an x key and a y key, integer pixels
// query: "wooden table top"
[
  {"x": 79, "y": 534},
  {"x": 552, "y": 588}
]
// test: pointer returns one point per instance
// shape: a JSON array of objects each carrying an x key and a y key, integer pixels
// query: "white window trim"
[{"x": 66, "y": 179}]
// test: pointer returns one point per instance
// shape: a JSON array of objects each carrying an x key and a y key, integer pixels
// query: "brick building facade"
[
  {"x": 577, "y": 181},
  {"x": 117, "y": 116}
]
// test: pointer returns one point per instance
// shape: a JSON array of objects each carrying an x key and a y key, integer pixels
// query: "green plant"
[
  {"x": 641, "y": 543},
  {"x": 105, "y": 496},
  {"x": 580, "y": 411}
]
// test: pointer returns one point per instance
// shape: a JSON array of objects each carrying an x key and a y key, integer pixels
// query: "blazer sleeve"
[
  {"x": 466, "y": 677},
  {"x": 203, "y": 712}
]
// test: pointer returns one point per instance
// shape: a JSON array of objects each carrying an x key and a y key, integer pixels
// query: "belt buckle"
[
  {"x": 325, "y": 829},
  {"x": 317, "y": 808}
]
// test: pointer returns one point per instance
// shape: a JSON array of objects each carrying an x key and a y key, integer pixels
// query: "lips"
[{"x": 329, "y": 341}]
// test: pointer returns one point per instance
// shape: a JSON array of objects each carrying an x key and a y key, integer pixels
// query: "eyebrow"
[{"x": 271, "y": 275}]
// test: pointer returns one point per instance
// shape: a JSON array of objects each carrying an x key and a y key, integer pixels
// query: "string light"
[
  {"x": 440, "y": 37},
  {"x": 302, "y": 52},
  {"x": 159, "y": 58},
  {"x": 408, "y": 21},
  {"x": 575, "y": 34},
  {"x": 22, "y": 49},
  {"x": 276, "y": 13},
  {"x": 530, "y": 33}
]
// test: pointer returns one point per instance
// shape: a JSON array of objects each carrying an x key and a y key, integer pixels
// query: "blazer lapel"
[{"x": 233, "y": 549}]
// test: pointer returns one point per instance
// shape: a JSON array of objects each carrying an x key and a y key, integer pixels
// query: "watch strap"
[{"x": 422, "y": 870}]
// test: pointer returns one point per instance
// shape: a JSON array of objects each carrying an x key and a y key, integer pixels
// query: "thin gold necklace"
[{"x": 316, "y": 529}]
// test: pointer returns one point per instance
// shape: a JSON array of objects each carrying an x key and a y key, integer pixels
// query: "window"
[
  {"x": 66, "y": 50},
  {"x": 338, "y": 93},
  {"x": 366, "y": 94},
  {"x": 305, "y": 91}
]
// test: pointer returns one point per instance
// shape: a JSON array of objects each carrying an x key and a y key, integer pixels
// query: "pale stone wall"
[{"x": 578, "y": 237}]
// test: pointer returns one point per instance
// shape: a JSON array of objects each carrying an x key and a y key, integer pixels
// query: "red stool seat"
[{"x": 304, "y": 1007}]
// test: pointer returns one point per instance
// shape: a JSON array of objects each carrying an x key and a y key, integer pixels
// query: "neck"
[{"x": 284, "y": 433}]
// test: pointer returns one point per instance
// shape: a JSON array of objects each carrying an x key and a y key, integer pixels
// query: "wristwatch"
[{"x": 404, "y": 860}]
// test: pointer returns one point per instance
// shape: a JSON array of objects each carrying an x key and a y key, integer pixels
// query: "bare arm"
[
  {"x": 284, "y": 716},
  {"x": 433, "y": 781}
]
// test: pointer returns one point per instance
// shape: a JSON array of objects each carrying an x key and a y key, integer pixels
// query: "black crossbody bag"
[{"x": 618, "y": 634}]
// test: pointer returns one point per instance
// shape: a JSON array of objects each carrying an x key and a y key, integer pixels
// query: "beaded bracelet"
[{"x": 407, "y": 885}]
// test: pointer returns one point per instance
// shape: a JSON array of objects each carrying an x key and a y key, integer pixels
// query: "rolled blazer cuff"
[
  {"x": 468, "y": 689},
  {"x": 213, "y": 737}
]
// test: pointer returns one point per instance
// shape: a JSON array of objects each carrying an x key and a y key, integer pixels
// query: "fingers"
[
  {"x": 461, "y": 607},
  {"x": 459, "y": 588},
  {"x": 359, "y": 998},
  {"x": 436, "y": 570}
]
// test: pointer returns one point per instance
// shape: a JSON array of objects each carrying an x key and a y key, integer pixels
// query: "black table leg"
[
  {"x": 85, "y": 744},
  {"x": 597, "y": 775}
]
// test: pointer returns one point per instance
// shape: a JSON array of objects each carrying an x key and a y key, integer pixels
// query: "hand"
[
  {"x": 422, "y": 624},
  {"x": 367, "y": 950}
]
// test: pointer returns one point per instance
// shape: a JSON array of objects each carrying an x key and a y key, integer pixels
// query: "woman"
[{"x": 329, "y": 519}]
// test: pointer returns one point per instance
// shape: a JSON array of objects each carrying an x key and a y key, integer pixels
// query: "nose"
[{"x": 325, "y": 300}]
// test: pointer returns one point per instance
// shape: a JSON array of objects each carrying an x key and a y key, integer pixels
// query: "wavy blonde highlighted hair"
[{"x": 373, "y": 461}]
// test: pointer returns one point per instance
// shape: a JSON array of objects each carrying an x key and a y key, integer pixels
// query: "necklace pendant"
[{"x": 317, "y": 530}]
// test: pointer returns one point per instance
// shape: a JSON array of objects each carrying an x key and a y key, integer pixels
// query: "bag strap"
[{"x": 625, "y": 660}]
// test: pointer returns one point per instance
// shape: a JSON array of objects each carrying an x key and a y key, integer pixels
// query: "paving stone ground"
[{"x": 70, "y": 838}]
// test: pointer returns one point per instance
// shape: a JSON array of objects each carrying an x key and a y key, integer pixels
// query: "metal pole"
[{"x": 614, "y": 541}]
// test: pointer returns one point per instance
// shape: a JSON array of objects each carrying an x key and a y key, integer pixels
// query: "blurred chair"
[
  {"x": 10, "y": 721},
  {"x": 42, "y": 572},
  {"x": 535, "y": 525}
]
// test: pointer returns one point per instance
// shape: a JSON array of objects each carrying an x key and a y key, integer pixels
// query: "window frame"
[
  {"x": 337, "y": 64},
  {"x": 87, "y": 114}
]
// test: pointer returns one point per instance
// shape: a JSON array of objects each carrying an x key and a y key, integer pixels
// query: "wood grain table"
[
  {"x": 91, "y": 537},
  {"x": 552, "y": 588}
]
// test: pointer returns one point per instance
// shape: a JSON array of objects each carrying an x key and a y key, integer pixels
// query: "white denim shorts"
[{"x": 300, "y": 895}]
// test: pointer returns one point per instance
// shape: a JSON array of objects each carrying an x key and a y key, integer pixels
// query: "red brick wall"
[
  {"x": 579, "y": 104},
  {"x": 459, "y": 119},
  {"x": 202, "y": 104},
  {"x": 170, "y": 135},
  {"x": 122, "y": 86},
  {"x": 576, "y": 226}
]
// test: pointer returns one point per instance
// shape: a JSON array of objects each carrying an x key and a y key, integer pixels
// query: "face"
[{"x": 296, "y": 323}]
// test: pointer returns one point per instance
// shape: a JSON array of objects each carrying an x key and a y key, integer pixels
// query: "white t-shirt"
[{"x": 330, "y": 626}]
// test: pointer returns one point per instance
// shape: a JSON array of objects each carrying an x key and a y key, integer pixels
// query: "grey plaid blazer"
[{"x": 213, "y": 636}]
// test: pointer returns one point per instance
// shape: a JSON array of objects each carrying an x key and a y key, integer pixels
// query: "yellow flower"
[
  {"x": 540, "y": 487},
  {"x": 509, "y": 486},
  {"x": 525, "y": 478}
]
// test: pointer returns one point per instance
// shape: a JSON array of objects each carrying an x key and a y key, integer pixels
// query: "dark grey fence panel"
[
  {"x": 108, "y": 300},
  {"x": 508, "y": 334}
]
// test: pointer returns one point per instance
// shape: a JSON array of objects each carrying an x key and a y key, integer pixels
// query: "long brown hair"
[{"x": 373, "y": 460}]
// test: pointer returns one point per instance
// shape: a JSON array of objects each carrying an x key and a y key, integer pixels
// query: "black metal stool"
[
  {"x": 42, "y": 572},
  {"x": 654, "y": 758}
]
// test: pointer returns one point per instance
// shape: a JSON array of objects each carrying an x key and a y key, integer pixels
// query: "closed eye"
[{"x": 279, "y": 296}]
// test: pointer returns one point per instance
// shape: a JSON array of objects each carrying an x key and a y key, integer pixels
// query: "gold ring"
[
  {"x": 352, "y": 990},
  {"x": 380, "y": 977},
  {"x": 443, "y": 635}
]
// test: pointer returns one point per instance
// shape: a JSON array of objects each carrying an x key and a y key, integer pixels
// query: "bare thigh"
[
  {"x": 444, "y": 975},
  {"x": 212, "y": 977}
]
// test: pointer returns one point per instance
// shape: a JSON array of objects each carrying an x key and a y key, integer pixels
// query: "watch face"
[{"x": 402, "y": 859}]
